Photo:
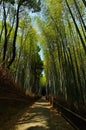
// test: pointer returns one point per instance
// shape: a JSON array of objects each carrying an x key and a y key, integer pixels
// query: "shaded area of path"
[{"x": 41, "y": 116}]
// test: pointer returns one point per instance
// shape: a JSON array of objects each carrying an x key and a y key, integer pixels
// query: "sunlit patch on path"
[{"x": 41, "y": 116}]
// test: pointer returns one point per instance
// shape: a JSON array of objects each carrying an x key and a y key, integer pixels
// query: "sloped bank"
[{"x": 12, "y": 98}]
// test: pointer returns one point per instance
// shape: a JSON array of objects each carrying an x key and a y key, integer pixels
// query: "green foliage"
[
  {"x": 61, "y": 35},
  {"x": 31, "y": 4},
  {"x": 61, "y": 40},
  {"x": 43, "y": 80}
]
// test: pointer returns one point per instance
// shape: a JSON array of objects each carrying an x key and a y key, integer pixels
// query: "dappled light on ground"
[
  {"x": 41, "y": 116},
  {"x": 34, "y": 118}
]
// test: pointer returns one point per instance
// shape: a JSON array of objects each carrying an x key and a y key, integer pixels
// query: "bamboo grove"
[
  {"x": 61, "y": 34},
  {"x": 63, "y": 30},
  {"x": 19, "y": 51}
]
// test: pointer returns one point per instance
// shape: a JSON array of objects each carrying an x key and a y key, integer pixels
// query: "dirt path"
[{"x": 41, "y": 116}]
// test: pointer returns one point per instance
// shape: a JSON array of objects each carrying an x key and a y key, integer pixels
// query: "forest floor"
[{"x": 39, "y": 116}]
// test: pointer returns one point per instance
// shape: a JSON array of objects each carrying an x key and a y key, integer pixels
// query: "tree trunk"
[
  {"x": 84, "y": 2},
  {"x": 14, "y": 39},
  {"x": 77, "y": 29},
  {"x": 5, "y": 41},
  {"x": 80, "y": 14}
]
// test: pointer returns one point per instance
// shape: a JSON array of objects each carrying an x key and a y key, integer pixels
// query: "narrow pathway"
[{"x": 41, "y": 116}]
